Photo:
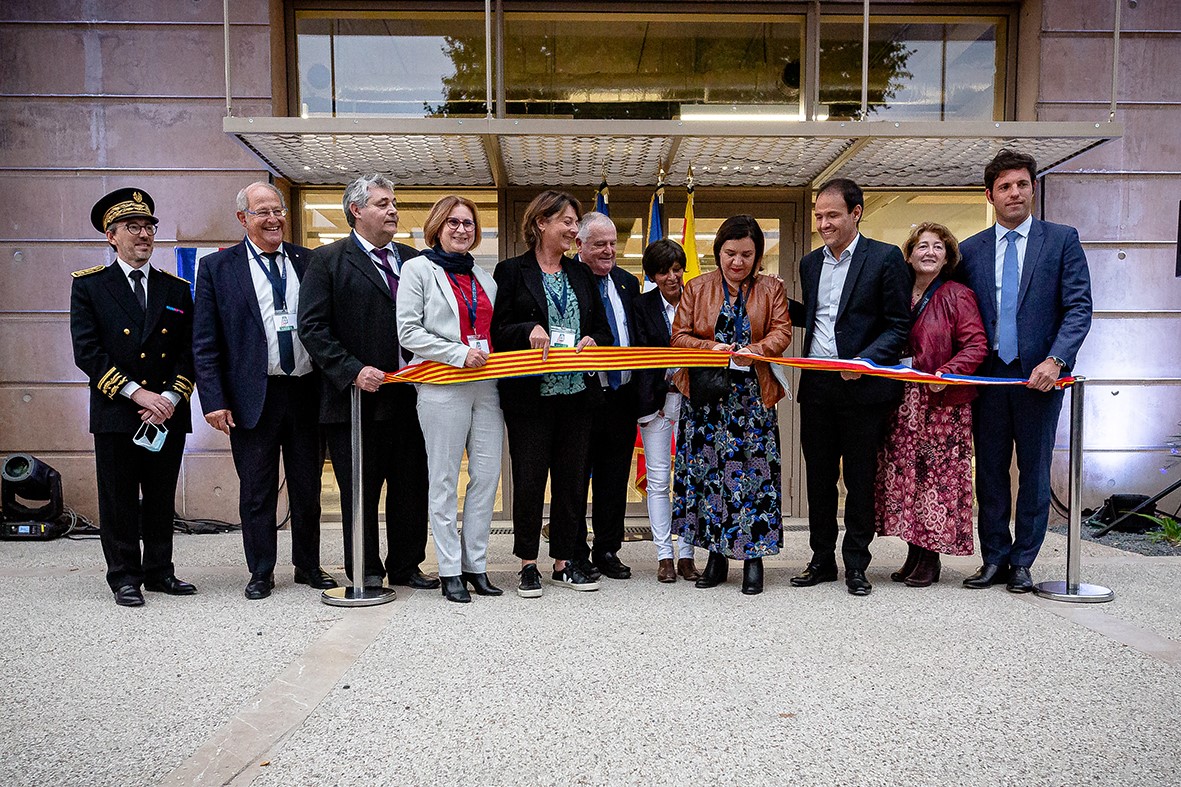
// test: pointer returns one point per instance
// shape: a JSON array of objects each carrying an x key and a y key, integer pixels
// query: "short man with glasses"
[
  {"x": 258, "y": 386},
  {"x": 347, "y": 320},
  {"x": 132, "y": 330}
]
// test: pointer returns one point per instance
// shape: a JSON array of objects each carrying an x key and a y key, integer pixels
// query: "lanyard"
[
  {"x": 559, "y": 305},
  {"x": 471, "y": 305},
  {"x": 922, "y": 304},
  {"x": 739, "y": 309},
  {"x": 278, "y": 286}
]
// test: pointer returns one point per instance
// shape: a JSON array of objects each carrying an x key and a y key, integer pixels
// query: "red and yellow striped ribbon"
[{"x": 525, "y": 363}]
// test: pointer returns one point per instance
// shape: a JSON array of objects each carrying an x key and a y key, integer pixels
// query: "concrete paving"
[{"x": 640, "y": 683}]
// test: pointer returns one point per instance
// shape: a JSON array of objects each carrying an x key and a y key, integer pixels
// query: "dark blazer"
[
  {"x": 114, "y": 343},
  {"x": 347, "y": 321},
  {"x": 1054, "y": 301},
  {"x": 650, "y": 330},
  {"x": 873, "y": 321},
  {"x": 229, "y": 339},
  {"x": 521, "y": 305}
]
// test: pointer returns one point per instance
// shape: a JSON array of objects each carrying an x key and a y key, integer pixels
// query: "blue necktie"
[
  {"x": 614, "y": 379},
  {"x": 1006, "y": 330},
  {"x": 286, "y": 343}
]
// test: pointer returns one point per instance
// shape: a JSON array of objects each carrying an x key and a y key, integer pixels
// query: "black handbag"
[{"x": 708, "y": 385}]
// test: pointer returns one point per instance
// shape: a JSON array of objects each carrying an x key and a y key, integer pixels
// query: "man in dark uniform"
[{"x": 132, "y": 331}]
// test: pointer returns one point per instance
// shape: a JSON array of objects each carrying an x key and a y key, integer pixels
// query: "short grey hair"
[
  {"x": 243, "y": 202},
  {"x": 589, "y": 221},
  {"x": 357, "y": 193}
]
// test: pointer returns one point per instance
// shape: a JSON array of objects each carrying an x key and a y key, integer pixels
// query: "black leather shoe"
[
  {"x": 716, "y": 569},
  {"x": 418, "y": 581},
  {"x": 988, "y": 575},
  {"x": 1019, "y": 580},
  {"x": 317, "y": 578},
  {"x": 587, "y": 567},
  {"x": 454, "y": 590},
  {"x": 172, "y": 586},
  {"x": 752, "y": 577},
  {"x": 260, "y": 585},
  {"x": 129, "y": 596},
  {"x": 609, "y": 565},
  {"x": 814, "y": 574},
  {"x": 857, "y": 583},
  {"x": 480, "y": 584}
]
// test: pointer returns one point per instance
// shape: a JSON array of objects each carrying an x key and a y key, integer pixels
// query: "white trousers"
[
  {"x": 454, "y": 418},
  {"x": 657, "y": 436}
]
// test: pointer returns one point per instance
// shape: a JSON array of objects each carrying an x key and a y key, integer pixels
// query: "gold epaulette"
[{"x": 88, "y": 271}]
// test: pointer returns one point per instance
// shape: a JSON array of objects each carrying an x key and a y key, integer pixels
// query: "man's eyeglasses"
[
  {"x": 455, "y": 224},
  {"x": 266, "y": 214},
  {"x": 136, "y": 229}
]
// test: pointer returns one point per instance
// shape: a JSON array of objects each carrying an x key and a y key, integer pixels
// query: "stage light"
[{"x": 30, "y": 498}]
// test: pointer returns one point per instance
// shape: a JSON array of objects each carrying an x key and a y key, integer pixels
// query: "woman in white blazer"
[{"x": 444, "y": 314}]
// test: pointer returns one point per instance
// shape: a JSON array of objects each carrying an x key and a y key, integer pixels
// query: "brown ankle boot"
[
  {"x": 926, "y": 572},
  {"x": 912, "y": 559}
]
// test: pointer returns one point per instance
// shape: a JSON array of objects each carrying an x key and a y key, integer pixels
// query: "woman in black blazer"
[{"x": 544, "y": 299}]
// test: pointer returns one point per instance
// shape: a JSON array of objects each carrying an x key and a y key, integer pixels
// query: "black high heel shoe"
[
  {"x": 453, "y": 590},
  {"x": 715, "y": 572},
  {"x": 752, "y": 577},
  {"x": 480, "y": 584}
]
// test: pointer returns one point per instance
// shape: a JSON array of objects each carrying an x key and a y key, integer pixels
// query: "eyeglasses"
[
  {"x": 455, "y": 224},
  {"x": 266, "y": 214},
  {"x": 136, "y": 229}
]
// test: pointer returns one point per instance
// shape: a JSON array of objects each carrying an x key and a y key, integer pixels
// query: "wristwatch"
[{"x": 1061, "y": 363}]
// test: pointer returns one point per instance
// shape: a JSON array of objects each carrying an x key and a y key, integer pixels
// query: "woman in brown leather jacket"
[{"x": 726, "y": 477}]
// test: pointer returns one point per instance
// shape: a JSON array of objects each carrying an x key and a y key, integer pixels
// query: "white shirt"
[
  {"x": 395, "y": 259},
  {"x": 1001, "y": 245},
  {"x": 828, "y": 299},
  {"x": 266, "y": 306},
  {"x": 672, "y": 399},
  {"x": 131, "y": 386},
  {"x": 620, "y": 325}
]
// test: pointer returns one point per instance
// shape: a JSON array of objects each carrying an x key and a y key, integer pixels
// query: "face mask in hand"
[{"x": 150, "y": 436}]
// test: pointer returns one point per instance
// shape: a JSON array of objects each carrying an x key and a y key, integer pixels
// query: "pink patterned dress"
[{"x": 923, "y": 488}]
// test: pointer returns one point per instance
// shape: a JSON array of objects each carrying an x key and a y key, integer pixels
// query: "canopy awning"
[{"x": 484, "y": 152}]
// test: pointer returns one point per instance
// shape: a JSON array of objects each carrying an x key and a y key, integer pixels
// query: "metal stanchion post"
[
  {"x": 1072, "y": 589},
  {"x": 357, "y": 595}
]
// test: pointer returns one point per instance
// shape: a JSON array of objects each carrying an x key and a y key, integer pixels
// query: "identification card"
[
  {"x": 907, "y": 362},
  {"x": 479, "y": 342},
  {"x": 562, "y": 337},
  {"x": 285, "y": 321}
]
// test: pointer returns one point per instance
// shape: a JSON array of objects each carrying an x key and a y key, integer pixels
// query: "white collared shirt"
[
  {"x": 833, "y": 273},
  {"x": 266, "y": 306},
  {"x": 620, "y": 325},
  {"x": 131, "y": 386},
  {"x": 1001, "y": 245},
  {"x": 395, "y": 259}
]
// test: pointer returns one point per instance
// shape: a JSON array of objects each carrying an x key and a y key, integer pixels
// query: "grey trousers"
[{"x": 454, "y": 418}]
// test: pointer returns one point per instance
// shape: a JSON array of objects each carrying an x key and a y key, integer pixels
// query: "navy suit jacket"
[
  {"x": 873, "y": 321},
  {"x": 1054, "y": 301},
  {"x": 229, "y": 339}
]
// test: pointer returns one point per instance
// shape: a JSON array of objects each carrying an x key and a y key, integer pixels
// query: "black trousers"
[
  {"x": 612, "y": 443},
  {"x": 136, "y": 499},
  {"x": 842, "y": 438},
  {"x": 289, "y": 425},
  {"x": 551, "y": 441},
  {"x": 394, "y": 455}
]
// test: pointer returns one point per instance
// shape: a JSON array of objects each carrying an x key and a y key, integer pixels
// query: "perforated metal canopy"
[{"x": 434, "y": 152}]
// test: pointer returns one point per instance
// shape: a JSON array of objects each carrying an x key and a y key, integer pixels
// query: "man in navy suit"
[
  {"x": 1031, "y": 280},
  {"x": 348, "y": 322},
  {"x": 613, "y": 428},
  {"x": 257, "y": 385},
  {"x": 856, "y": 305}
]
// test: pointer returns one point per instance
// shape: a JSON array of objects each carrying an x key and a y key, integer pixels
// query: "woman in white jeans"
[
  {"x": 445, "y": 314},
  {"x": 660, "y": 402}
]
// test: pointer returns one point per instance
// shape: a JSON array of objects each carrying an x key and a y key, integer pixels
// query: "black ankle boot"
[
  {"x": 480, "y": 584},
  {"x": 926, "y": 572},
  {"x": 454, "y": 590},
  {"x": 715, "y": 572},
  {"x": 752, "y": 577},
  {"x": 912, "y": 560}
]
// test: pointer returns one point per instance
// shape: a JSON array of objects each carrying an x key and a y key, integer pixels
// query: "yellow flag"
[{"x": 689, "y": 237}]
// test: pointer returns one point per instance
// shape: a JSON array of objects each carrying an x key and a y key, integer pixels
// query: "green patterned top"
[{"x": 559, "y": 294}]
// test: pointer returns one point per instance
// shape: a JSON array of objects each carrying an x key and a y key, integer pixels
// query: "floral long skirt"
[
  {"x": 924, "y": 482},
  {"x": 726, "y": 478}
]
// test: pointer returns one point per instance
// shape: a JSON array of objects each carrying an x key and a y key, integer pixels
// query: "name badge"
[
  {"x": 907, "y": 362},
  {"x": 479, "y": 342},
  {"x": 562, "y": 337},
  {"x": 285, "y": 321}
]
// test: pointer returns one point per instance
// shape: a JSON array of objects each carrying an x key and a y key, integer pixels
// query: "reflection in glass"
[{"x": 934, "y": 70}]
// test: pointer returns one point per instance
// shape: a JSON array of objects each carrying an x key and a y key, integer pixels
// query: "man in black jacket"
[
  {"x": 856, "y": 305},
  {"x": 132, "y": 326},
  {"x": 347, "y": 321}
]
